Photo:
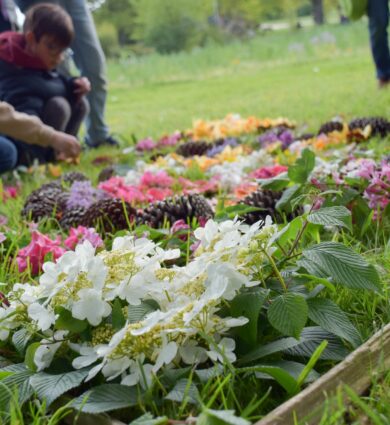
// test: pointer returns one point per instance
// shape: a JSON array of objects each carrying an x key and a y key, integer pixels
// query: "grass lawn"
[{"x": 309, "y": 76}]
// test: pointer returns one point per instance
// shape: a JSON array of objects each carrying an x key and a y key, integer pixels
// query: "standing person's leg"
[
  {"x": 90, "y": 60},
  {"x": 8, "y": 155},
  {"x": 378, "y": 20}
]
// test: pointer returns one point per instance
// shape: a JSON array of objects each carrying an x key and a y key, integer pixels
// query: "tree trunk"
[{"x": 318, "y": 11}]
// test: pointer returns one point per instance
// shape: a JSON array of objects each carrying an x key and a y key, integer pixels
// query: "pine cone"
[
  {"x": 266, "y": 200},
  {"x": 190, "y": 148},
  {"x": 47, "y": 201},
  {"x": 170, "y": 210},
  {"x": 330, "y": 126},
  {"x": 110, "y": 215},
  {"x": 379, "y": 126},
  {"x": 72, "y": 217}
]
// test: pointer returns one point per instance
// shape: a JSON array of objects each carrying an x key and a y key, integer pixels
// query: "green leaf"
[
  {"x": 220, "y": 417},
  {"x": 330, "y": 317},
  {"x": 310, "y": 364},
  {"x": 280, "y": 375},
  {"x": 184, "y": 391},
  {"x": 17, "y": 382},
  {"x": 148, "y": 419},
  {"x": 288, "y": 314},
  {"x": 248, "y": 305},
  {"x": 29, "y": 357},
  {"x": 277, "y": 183},
  {"x": 135, "y": 313},
  {"x": 289, "y": 232},
  {"x": 285, "y": 202},
  {"x": 50, "y": 387},
  {"x": 300, "y": 171},
  {"x": 106, "y": 397},
  {"x": 117, "y": 316},
  {"x": 20, "y": 340},
  {"x": 331, "y": 216},
  {"x": 311, "y": 338},
  {"x": 294, "y": 369},
  {"x": 343, "y": 265},
  {"x": 267, "y": 349},
  {"x": 205, "y": 375},
  {"x": 67, "y": 322}
]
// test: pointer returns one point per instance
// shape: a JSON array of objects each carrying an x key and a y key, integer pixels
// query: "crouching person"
[{"x": 30, "y": 83}]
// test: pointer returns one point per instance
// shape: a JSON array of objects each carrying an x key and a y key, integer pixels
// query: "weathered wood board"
[{"x": 357, "y": 371}]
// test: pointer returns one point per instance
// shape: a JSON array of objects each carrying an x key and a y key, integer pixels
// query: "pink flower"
[
  {"x": 178, "y": 226},
  {"x": 147, "y": 144},
  {"x": 155, "y": 194},
  {"x": 10, "y": 192},
  {"x": 159, "y": 179},
  {"x": 80, "y": 234},
  {"x": 169, "y": 140},
  {"x": 34, "y": 253},
  {"x": 2, "y": 237},
  {"x": 116, "y": 187},
  {"x": 3, "y": 220},
  {"x": 268, "y": 172}
]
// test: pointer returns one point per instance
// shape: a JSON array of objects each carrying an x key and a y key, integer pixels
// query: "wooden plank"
[{"x": 356, "y": 370}]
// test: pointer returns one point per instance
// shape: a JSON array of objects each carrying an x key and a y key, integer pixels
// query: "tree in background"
[
  {"x": 119, "y": 13},
  {"x": 170, "y": 26},
  {"x": 318, "y": 11}
]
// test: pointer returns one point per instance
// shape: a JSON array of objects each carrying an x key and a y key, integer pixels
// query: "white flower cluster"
[{"x": 183, "y": 326}]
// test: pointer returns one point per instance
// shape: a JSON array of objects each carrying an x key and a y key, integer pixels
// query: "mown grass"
[{"x": 284, "y": 73}]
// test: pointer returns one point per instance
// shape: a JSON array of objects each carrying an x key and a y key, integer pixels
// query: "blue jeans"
[
  {"x": 8, "y": 155},
  {"x": 378, "y": 20},
  {"x": 89, "y": 59}
]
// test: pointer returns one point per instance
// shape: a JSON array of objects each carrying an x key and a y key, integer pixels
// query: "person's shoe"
[
  {"x": 383, "y": 83},
  {"x": 109, "y": 141}
]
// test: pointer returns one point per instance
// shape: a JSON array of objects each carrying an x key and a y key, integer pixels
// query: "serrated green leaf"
[
  {"x": 16, "y": 383},
  {"x": 117, "y": 316},
  {"x": 135, "y": 313},
  {"x": 226, "y": 417},
  {"x": 105, "y": 398},
  {"x": 288, "y": 314},
  {"x": 343, "y": 265},
  {"x": 311, "y": 338},
  {"x": 20, "y": 340},
  {"x": 184, "y": 391},
  {"x": 267, "y": 349},
  {"x": 300, "y": 171},
  {"x": 212, "y": 372},
  {"x": 249, "y": 305},
  {"x": 67, "y": 322},
  {"x": 148, "y": 419},
  {"x": 330, "y": 317},
  {"x": 50, "y": 387},
  {"x": 331, "y": 216}
]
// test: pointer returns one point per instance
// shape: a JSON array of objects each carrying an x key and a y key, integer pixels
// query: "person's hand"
[
  {"x": 82, "y": 86},
  {"x": 65, "y": 146}
]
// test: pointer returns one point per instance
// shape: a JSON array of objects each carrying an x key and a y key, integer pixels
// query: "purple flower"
[
  {"x": 280, "y": 134},
  {"x": 82, "y": 194},
  {"x": 2, "y": 237},
  {"x": 221, "y": 145}
]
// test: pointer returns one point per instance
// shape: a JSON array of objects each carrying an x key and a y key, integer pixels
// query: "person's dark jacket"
[{"x": 24, "y": 81}]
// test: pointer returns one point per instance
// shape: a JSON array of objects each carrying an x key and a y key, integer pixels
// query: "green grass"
[{"x": 264, "y": 76}]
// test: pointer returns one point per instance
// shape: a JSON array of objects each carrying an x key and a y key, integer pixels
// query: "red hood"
[{"x": 13, "y": 50}]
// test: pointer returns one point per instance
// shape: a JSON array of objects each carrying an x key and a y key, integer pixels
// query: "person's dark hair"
[{"x": 49, "y": 19}]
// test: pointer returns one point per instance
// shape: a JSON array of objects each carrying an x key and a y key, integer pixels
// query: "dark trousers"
[{"x": 378, "y": 20}]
